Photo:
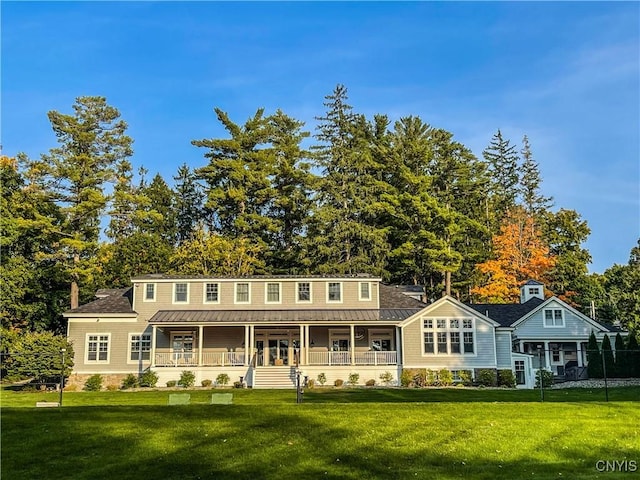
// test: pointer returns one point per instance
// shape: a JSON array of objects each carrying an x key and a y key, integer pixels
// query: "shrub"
[
  {"x": 465, "y": 377},
  {"x": 406, "y": 377},
  {"x": 386, "y": 378},
  {"x": 148, "y": 379},
  {"x": 130, "y": 381},
  {"x": 547, "y": 378},
  {"x": 93, "y": 383},
  {"x": 311, "y": 383},
  {"x": 487, "y": 377},
  {"x": 420, "y": 378},
  {"x": 338, "y": 383},
  {"x": 322, "y": 379},
  {"x": 171, "y": 383},
  {"x": 445, "y": 378},
  {"x": 353, "y": 378},
  {"x": 222, "y": 379},
  {"x": 71, "y": 388},
  {"x": 370, "y": 383},
  {"x": 187, "y": 379},
  {"x": 206, "y": 383},
  {"x": 238, "y": 384},
  {"x": 506, "y": 378},
  {"x": 112, "y": 387},
  {"x": 430, "y": 378}
]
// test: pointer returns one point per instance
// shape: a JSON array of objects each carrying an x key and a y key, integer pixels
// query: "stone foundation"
[{"x": 76, "y": 381}]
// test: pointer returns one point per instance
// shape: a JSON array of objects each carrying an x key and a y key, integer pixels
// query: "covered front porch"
[
  {"x": 255, "y": 345},
  {"x": 565, "y": 359}
]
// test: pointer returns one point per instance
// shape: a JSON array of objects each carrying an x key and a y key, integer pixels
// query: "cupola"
[{"x": 531, "y": 289}]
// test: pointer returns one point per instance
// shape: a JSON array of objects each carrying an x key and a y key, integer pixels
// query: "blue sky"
[{"x": 565, "y": 74}]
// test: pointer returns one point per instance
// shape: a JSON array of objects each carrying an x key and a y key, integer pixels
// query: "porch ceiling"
[{"x": 266, "y": 316}]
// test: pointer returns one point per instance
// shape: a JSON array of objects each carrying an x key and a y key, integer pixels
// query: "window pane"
[
  {"x": 455, "y": 342},
  {"x": 454, "y": 323},
  {"x": 467, "y": 323},
  {"x": 212, "y": 292},
  {"x": 334, "y": 292},
  {"x": 181, "y": 292},
  {"x": 428, "y": 323},
  {"x": 242, "y": 292},
  {"x": 304, "y": 292},
  {"x": 273, "y": 292},
  {"x": 428, "y": 342},
  {"x": 150, "y": 291},
  {"x": 364, "y": 291},
  {"x": 441, "y": 323},
  {"x": 442, "y": 342},
  {"x": 468, "y": 342}
]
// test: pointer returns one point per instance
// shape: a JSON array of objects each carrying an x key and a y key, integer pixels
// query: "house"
[{"x": 260, "y": 329}]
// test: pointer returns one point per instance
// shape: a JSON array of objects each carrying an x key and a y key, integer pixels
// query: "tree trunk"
[
  {"x": 447, "y": 283},
  {"x": 74, "y": 294}
]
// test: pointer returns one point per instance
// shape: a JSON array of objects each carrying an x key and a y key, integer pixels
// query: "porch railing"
[
  {"x": 190, "y": 359},
  {"x": 361, "y": 358}
]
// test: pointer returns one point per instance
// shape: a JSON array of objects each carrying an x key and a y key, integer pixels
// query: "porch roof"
[{"x": 266, "y": 316}]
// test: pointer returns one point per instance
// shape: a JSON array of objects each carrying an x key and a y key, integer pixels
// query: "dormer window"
[
  {"x": 212, "y": 293},
  {"x": 272, "y": 293},
  {"x": 534, "y": 291},
  {"x": 180, "y": 293},
  {"x": 150, "y": 292},
  {"x": 243, "y": 293},
  {"x": 364, "y": 292},
  {"x": 334, "y": 292},
  {"x": 304, "y": 292}
]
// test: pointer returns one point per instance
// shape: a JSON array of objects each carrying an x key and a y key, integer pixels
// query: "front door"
[
  {"x": 278, "y": 351},
  {"x": 182, "y": 347}
]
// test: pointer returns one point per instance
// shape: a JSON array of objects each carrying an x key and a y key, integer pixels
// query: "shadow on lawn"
[{"x": 249, "y": 442}]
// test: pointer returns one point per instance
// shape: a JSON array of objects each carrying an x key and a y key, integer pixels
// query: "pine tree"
[
  {"x": 188, "y": 203},
  {"x": 238, "y": 187},
  {"x": 292, "y": 204},
  {"x": 93, "y": 142},
  {"x": 344, "y": 236},
  {"x": 502, "y": 166},
  {"x": 529, "y": 188},
  {"x": 609, "y": 367},
  {"x": 160, "y": 213},
  {"x": 594, "y": 358}
]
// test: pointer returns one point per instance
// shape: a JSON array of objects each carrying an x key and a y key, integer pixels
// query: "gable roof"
[
  {"x": 506, "y": 314},
  {"x": 457, "y": 303},
  {"x": 532, "y": 282},
  {"x": 117, "y": 301}
]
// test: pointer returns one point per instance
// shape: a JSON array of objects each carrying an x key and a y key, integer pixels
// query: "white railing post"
[
  {"x": 153, "y": 345},
  {"x": 200, "y": 342}
]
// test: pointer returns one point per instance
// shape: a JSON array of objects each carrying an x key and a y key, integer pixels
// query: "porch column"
[
  {"x": 398, "y": 346},
  {"x": 301, "y": 345},
  {"x": 547, "y": 356},
  {"x": 307, "y": 343},
  {"x": 521, "y": 346},
  {"x": 153, "y": 345},
  {"x": 579, "y": 353},
  {"x": 252, "y": 341},
  {"x": 247, "y": 344},
  {"x": 200, "y": 342},
  {"x": 353, "y": 344}
]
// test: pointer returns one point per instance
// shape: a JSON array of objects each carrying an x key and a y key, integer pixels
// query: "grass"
[{"x": 335, "y": 433}]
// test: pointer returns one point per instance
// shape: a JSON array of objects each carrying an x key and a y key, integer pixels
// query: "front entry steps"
[{"x": 274, "y": 377}]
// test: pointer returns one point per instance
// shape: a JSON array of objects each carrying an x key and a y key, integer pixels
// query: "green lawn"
[{"x": 335, "y": 433}]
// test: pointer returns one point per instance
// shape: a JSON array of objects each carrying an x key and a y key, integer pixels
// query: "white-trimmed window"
[
  {"x": 428, "y": 343},
  {"x": 211, "y": 293},
  {"x": 364, "y": 291},
  {"x": 181, "y": 292},
  {"x": 534, "y": 291},
  {"x": 467, "y": 338},
  {"x": 334, "y": 292},
  {"x": 139, "y": 347},
  {"x": 149, "y": 292},
  {"x": 303, "y": 292},
  {"x": 520, "y": 375},
  {"x": 553, "y": 317},
  {"x": 272, "y": 293},
  {"x": 98, "y": 347},
  {"x": 381, "y": 340},
  {"x": 448, "y": 336},
  {"x": 243, "y": 292}
]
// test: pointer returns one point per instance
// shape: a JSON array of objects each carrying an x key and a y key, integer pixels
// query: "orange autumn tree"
[{"x": 520, "y": 254}]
